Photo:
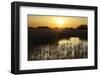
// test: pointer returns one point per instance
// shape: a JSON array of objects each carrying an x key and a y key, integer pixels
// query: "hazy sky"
[{"x": 56, "y": 21}]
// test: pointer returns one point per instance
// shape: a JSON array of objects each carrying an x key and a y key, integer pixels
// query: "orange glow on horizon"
[{"x": 56, "y": 21}]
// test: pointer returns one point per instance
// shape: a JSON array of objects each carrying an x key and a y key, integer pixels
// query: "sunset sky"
[{"x": 56, "y": 21}]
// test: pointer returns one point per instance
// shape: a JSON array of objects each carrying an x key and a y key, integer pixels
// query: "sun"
[{"x": 60, "y": 22}]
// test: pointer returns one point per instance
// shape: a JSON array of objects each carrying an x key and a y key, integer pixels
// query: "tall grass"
[{"x": 57, "y": 51}]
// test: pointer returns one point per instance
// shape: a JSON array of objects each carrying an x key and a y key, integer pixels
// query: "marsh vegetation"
[{"x": 45, "y": 43}]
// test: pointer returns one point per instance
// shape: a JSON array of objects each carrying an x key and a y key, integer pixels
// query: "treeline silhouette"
[{"x": 46, "y": 35}]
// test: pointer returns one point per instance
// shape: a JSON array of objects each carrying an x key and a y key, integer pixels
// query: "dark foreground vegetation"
[{"x": 43, "y": 43}]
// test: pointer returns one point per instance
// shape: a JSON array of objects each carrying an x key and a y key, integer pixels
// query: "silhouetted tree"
[
  {"x": 43, "y": 27},
  {"x": 82, "y": 27}
]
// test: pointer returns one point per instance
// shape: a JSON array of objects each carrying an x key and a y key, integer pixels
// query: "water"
[{"x": 72, "y": 48}]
